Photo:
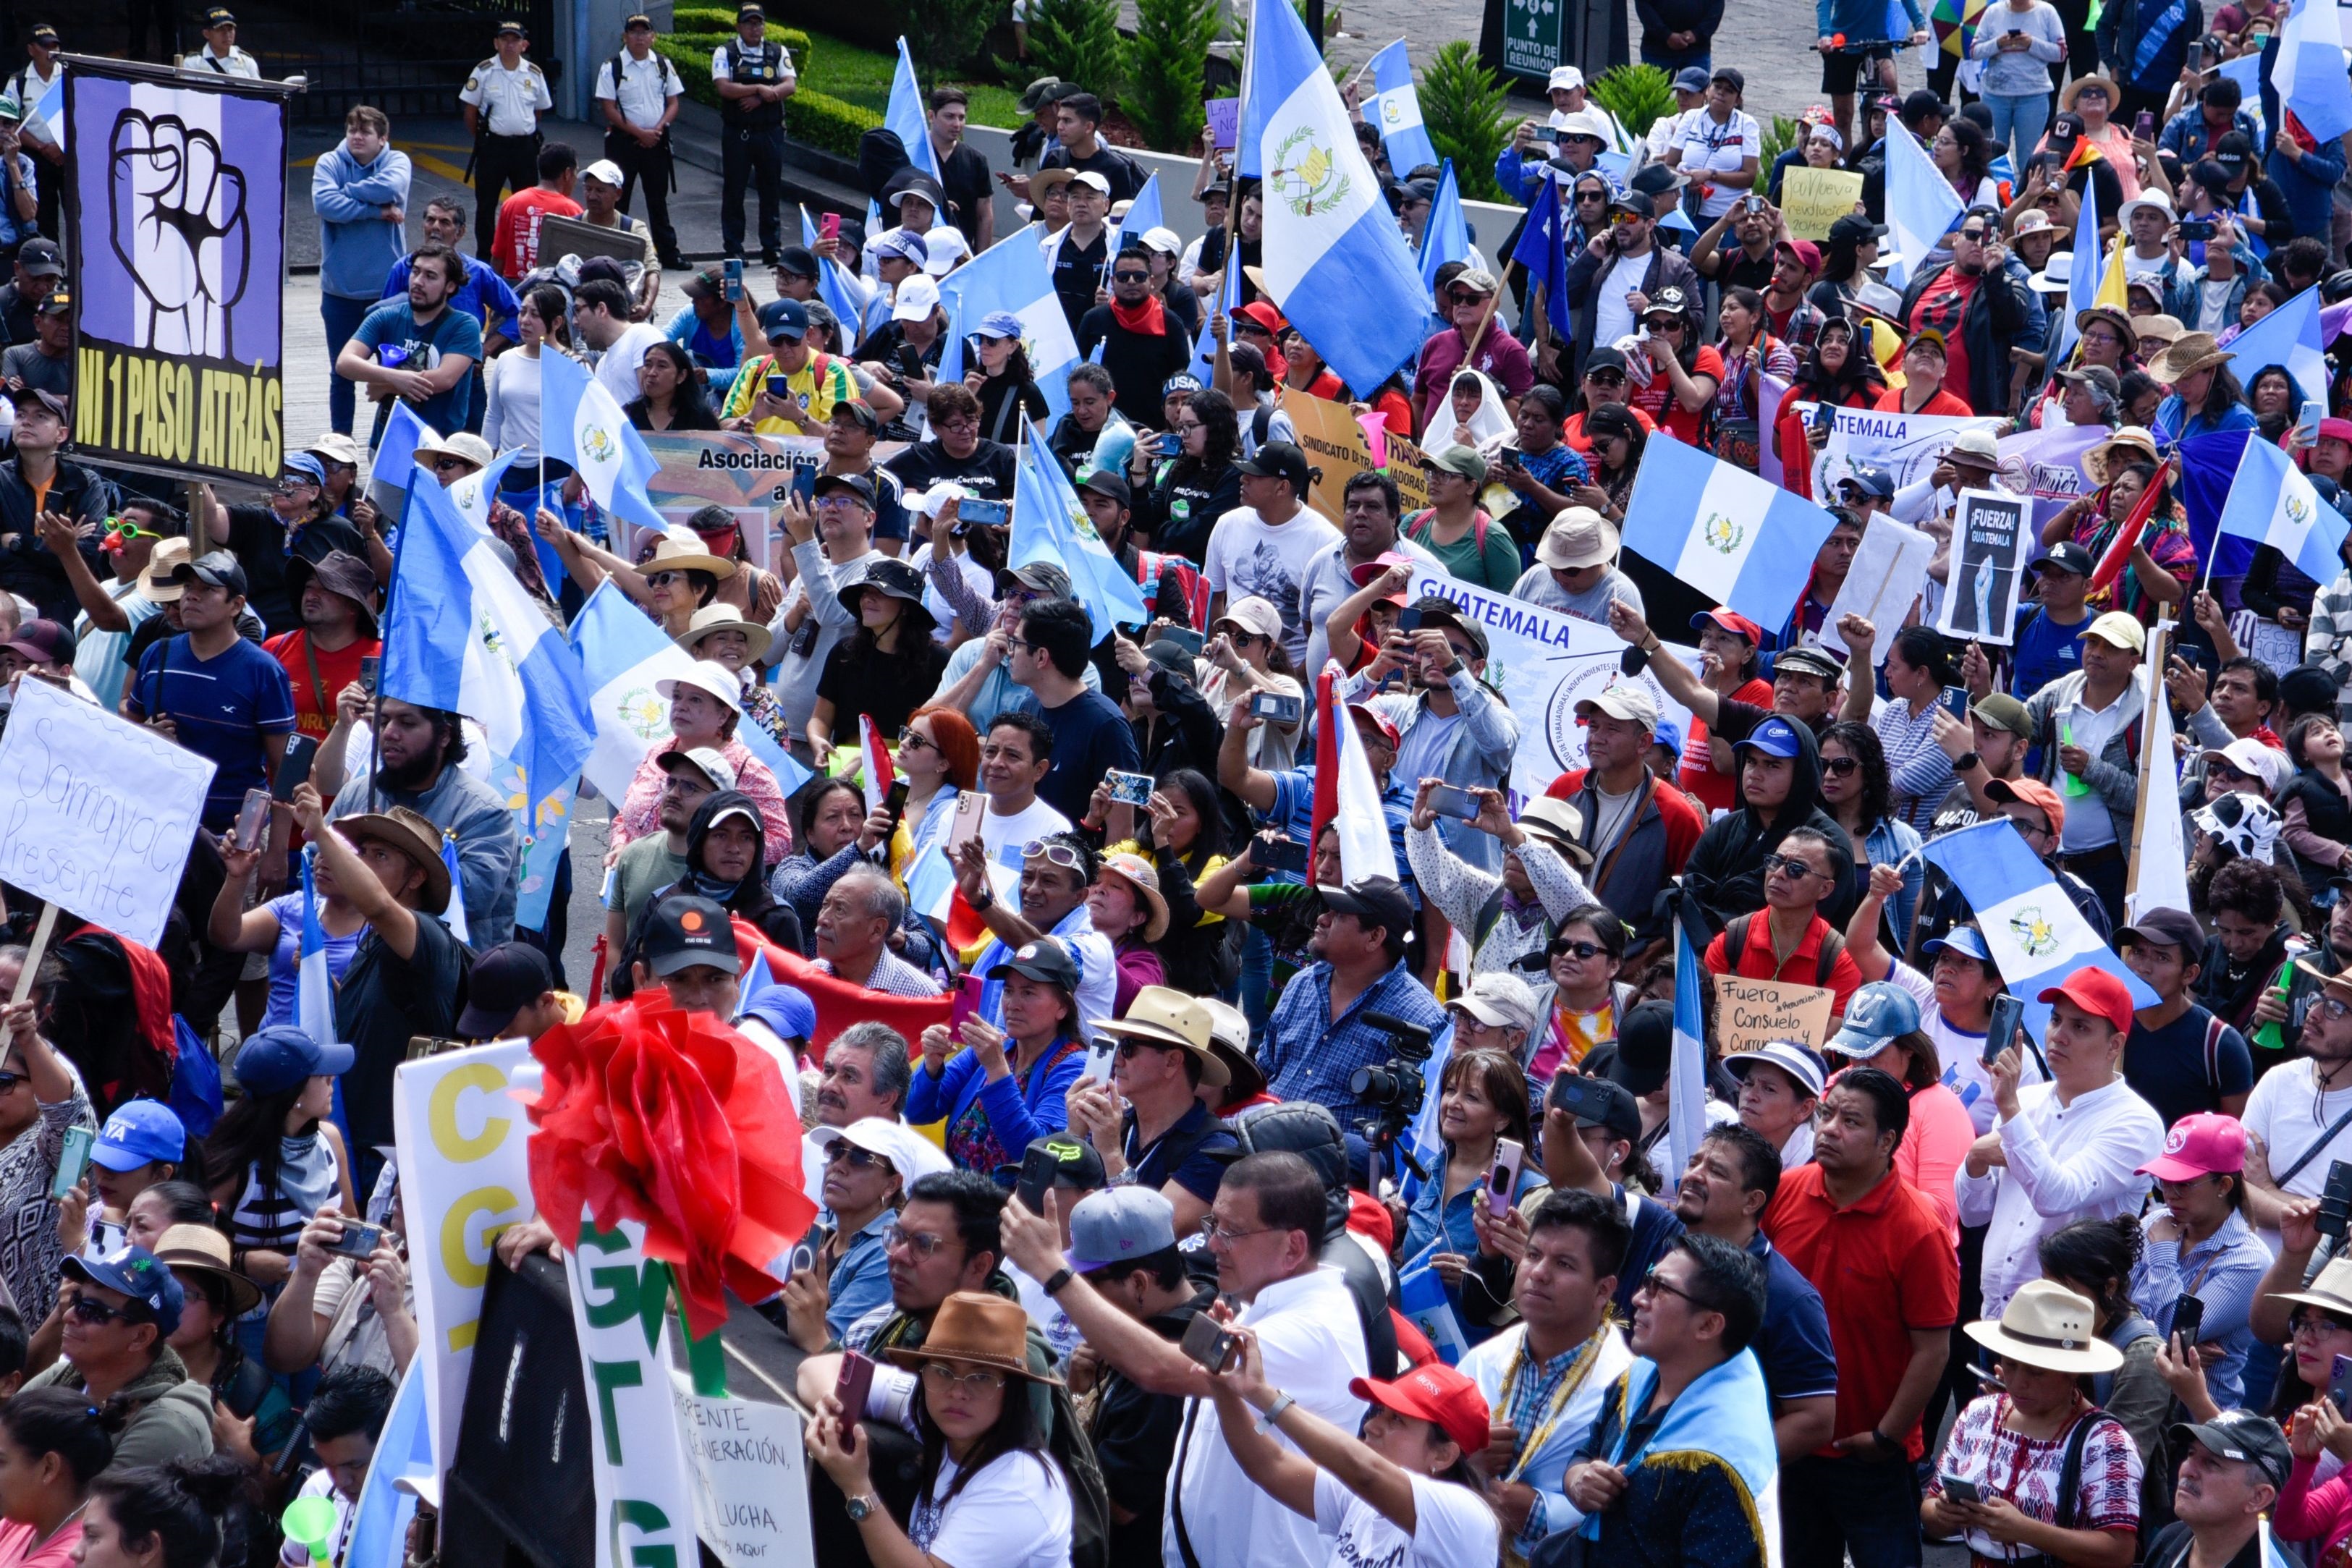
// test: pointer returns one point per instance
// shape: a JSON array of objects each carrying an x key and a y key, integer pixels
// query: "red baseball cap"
[
  {"x": 1379, "y": 721},
  {"x": 1437, "y": 1394},
  {"x": 2097, "y": 992},
  {"x": 1808, "y": 253},
  {"x": 1264, "y": 315},
  {"x": 1730, "y": 621}
]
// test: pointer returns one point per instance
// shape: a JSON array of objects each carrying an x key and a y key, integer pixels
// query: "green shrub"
[
  {"x": 1777, "y": 138},
  {"x": 816, "y": 118},
  {"x": 1462, "y": 106},
  {"x": 701, "y": 19},
  {"x": 1078, "y": 40},
  {"x": 1164, "y": 69},
  {"x": 944, "y": 35},
  {"x": 1638, "y": 95}
]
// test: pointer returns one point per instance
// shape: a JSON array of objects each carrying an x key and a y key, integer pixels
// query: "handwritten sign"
[
  {"x": 1751, "y": 1014},
  {"x": 96, "y": 813},
  {"x": 1224, "y": 116},
  {"x": 750, "y": 1483},
  {"x": 1813, "y": 199}
]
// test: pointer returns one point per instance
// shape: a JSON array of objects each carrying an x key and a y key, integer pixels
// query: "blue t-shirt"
[
  {"x": 2045, "y": 650},
  {"x": 286, "y": 960},
  {"x": 221, "y": 707},
  {"x": 2178, "y": 1072},
  {"x": 1293, "y": 817},
  {"x": 1655, "y": 1228},
  {"x": 451, "y": 332},
  {"x": 1793, "y": 1346},
  {"x": 1091, "y": 735}
]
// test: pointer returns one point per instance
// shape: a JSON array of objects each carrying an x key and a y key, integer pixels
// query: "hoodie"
[
  {"x": 1726, "y": 870},
  {"x": 171, "y": 1414},
  {"x": 750, "y": 897},
  {"x": 358, "y": 248}
]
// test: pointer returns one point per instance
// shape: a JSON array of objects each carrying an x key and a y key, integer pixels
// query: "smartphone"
[
  {"x": 370, "y": 666},
  {"x": 294, "y": 768},
  {"x": 1409, "y": 618},
  {"x": 1754, "y": 204},
  {"x": 1130, "y": 789},
  {"x": 253, "y": 820},
  {"x": 2144, "y": 126},
  {"x": 2306, "y": 426},
  {"x": 1955, "y": 700},
  {"x": 1959, "y": 1491},
  {"x": 1184, "y": 637},
  {"x": 2189, "y": 1318},
  {"x": 359, "y": 1240},
  {"x": 2001, "y": 1029},
  {"x": 1039, "y": 1167},
  {"x": 73, "y": 1162},
  {"x": 894, "y": 799},
  {"x": 856, "y": 1381},
  {"x": 733, "y": 272},
  {"x": 970, "y": 811},
  {"x": 1207, "y": 1341},
  {"x": 1509, "y": 456},
  {"x": 780, "y": 388},
  {"x": 1271, "y": 853},
  {"x": 1503, "y": 1181},
  {"x": 805, "y": 485},
  {"x": 1278, "y": 708},
  {"x": 2196, "y": 228},
  {"x": 1452, "y": 801},
  {"x": 1824, "y": 416},
  {"x": 2335, "y": 1199},
  {"x": 829, "y": 230},
  {"x": 1570, "y": 1091},
  {"x": 972, "y": 510},
  {"x": 1171, "y": 444},
  {"x": 2340, "y": 1385},
  {"x": 967, "y": 1001}
]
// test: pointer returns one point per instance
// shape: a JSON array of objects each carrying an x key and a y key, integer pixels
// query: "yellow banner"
[
  {"x": 162, "y": 409},
  {"x": 1813, "y": 199},
  {"x": 1334, "y": 444}
]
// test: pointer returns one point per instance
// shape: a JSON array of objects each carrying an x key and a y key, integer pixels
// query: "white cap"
[
  {"x": 1798, "y": 1062},
  {"x": 607, "y": 171},
  {"x": 1089, "y": 177},
  {"x": 917, "y": 298},
  {"x": 1564, "y": 78},
  {"x": 708, "y": 675},
  {"x": 1166, "y": 241},
  {"x": 910, "y": 1154},
  {"x": 1499, "y": 1001}
]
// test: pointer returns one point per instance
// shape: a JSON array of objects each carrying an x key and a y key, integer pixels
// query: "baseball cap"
[
  {"x": 56, "y": 301},
  {"x": 1798, "y": 1062},
  {"x": 1624, "y": 700},
  {"x": 1634, "y": 202},
  {"x": 1378, "y": 720},
  {"x": 785, "y": 318},
  {"x": 910, "y": 1153},
  {"x": 40, "y": 258},
  {"x": 1878, "y": 1014},
  {"x": 1565, "y": 79},
  {"x": 787, "y": 1010},
  {"x": 2243, "y": 1435},
  {"x": 1279, "y": 460},
  {"x": 904, "y": 244},
  {"x": 44, "y": 643},
  {"x": 1375, "y": 900},
  {"x": 1774, "y": 737},
  {"x": 858, "y": 485},
  {"x": 2204, "y": 1142},
  {"x": 1811, "y": 659},
  {"x": 222, "y": 16},
  {"x": 1181, "y": 381},
  {"x": 1461, "y": 460},
  {"x": 2250, "y": 756},
  {"x": 218, "y": 568},
  {"x": 38, "y": 397},
  {"x": 1045, "y": 960},
  {"x": 1605, "y": 358},
  {"x": 1693, "y": 78},
  {"x": 687, "y": 930},
  {"x": 138, "y": 1274},
  {"x": 2067, "y": 556},
  {"x": 1808, "y": 253},
  {"x": 1732, "y": 74},
  {"x": 1964, "y": 940},
  {"x": 1872, "y": 478},
  {"x": 141, "y": 1132},
  {"x": 1499, "y": 1000},
  {"x": 1091, "y": 180},
  {"x": 1038, "y": 576},
  {"x": 1436, "y": 1392},
  {"x": 2032, "y": 793},
  {"x": 605, "y": 171},
  {"x": 1119, "y": 1225},
  {"x": 2165, "y": 928},
  {"x": 515, "y": 27},
  {"x": 1600, "y": 1102},
  {"x": 277, "y": 1059},
  {"x": 917, "y": 298},
  {"x": 1726, "y": 619},
  {"x": 2097, "y": 992},
  {"x": 2119, "y": 628},
  {"x": 999, "y": 324},
  {"x": 1437, "y": 610},
  {"x": 1077, "y": 1168},
  {"x": 1255, "y": 616},
  {"x": 1108, "y": 482},
  {"x": 506, "y": 980}
]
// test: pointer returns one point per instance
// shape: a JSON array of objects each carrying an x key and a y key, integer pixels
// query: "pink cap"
[{"x": 2205, "y": 1143}]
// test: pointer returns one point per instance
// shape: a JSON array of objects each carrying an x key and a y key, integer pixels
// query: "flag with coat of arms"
[{"x": 1740, "y": 540}]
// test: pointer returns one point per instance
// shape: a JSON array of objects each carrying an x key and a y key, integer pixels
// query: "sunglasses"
[
  {"x": 293, "y": 482},
  {"x": 1582, "y": 952},
  {"x": 1606, "y": 377},
  {"x": 1134, "y": 278},
  {"x": 1622, "y": 219},
  {"x": 440, "y": 466},
  {"x": 90, "y": 1310},
  {"x": 1654, "y": 1284},
  {"x": 1591, "y": 198},
  {"x": 124, "y": 528},
  {"x": 921, "y": 1243},
  {"x": 843, "y": 1153},
  {"x": 1794, "y": 869},
  {"x": 913, "y": 740},
  {"x": 1062, "y": 855},
  {"x": 663, "y": 579},
  {"x": 1666, "y": 324},
  {"x": 1974, "y": 236},
  {"x": 1840, "y": 766}
]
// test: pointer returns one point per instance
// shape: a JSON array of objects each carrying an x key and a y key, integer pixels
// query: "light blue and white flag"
[
  {"x": 1921, "y": 205},
  {"x": 1011, "y": 275},
  {"x": 1335, "y": 262},
  {"x": 454, "y": 917},
  {"x": 1687, "y": 1067},
  {"x": 1050, "y": 525},
  {"x": 2289, "y": 336},
  {"x": 1142, "y": 216},
  {"x": 1739, "y": 540},
  {"x": 314, "y": 985},
  {"x": 844, "y": 294},
  {"x": 1395, "y": 108},
  {"x": 622, "y": 654},
  {"x": 404, "y": 1452},
  {"x": 1421, "y": 1297},
  {"x": 2089, "y": 266},
  {"x": 461, "y": 634},
  {"x": 1444, "y": 237},
  {"x": 579, "y": 423},
  {"x": 403, "y": 431},
  {"x": 2308, "y": 70},
  {"x": 2036, "y": 935},
  {"x": 2246, "y": 70},
  {"x": 2273, "y": 504},
  {"x": 906, "y": 118},
  {"x": 473, "y": 494},
  {"x": 1205, "y": 345}
]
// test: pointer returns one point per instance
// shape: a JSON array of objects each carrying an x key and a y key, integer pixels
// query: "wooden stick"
[{"x": 39, "y": 950}]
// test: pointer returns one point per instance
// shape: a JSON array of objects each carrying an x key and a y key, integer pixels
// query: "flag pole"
[{"x": 2158, "y": 637}]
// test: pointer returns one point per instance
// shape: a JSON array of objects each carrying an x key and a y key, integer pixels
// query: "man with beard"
[
  {"x": 337, "y": 603},
  {"x": 2298, "y": 1119},
  {"x": 1371, "y": 508},
  {"x": 418, "y": 750},
  {"x": 1982, "y": 309},
  {"x": 417, "y": 349}
]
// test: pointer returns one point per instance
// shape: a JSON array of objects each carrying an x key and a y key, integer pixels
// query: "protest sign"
[
  {"x": 2048, "y": 465},
  {"x": 1751, "y": 1014},
  {"x": 1812, "y": 199},
  {"x": 750, "y": 476},
  {"x": 1889, "y": 570},
  {"x": 1334, "y": 442},
  {"x": 96, "y": 813},
  {"x": 1907, "y": 446},
  {"x": 1545, "y": 663},
  {"x": 1225, "y": 117},
  {"x": 1990, "y": 544},
  {"x": 645, "y": 1494},
  {"x": 465, "y": 1176},
  {"x": 751, "y": 1479},
  {"x": 177, "y": 233}
]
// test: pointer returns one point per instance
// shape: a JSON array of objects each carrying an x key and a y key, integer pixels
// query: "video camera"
[{"x": 1395, "y": 1086}]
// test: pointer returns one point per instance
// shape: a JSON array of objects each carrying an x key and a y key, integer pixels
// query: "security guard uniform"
[
  {"x": 506, "y": 144},
  {"x": 753, "y": 140},
  {"x": 238, "y": 64},
  {"x": 640, "y": 92}
]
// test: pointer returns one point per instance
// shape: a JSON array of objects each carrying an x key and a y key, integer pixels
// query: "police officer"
[
  {"x": 220, "y": 54},
  {"x": 31, "y": 87},
  {"x": 640, "y": 93},
  {"x": 754, "y": 77},
  {"x": 503, "y": 101}
]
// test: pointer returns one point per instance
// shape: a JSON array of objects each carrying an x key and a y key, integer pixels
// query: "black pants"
[
  {"x": 653, "y": 165},
  {"x": 1869, "y": 1508},
  {"x": 2082, "y": 45},
  {"x": 746, "y": 153},
  {"x": 165, "y": 14},
  {"x": 503, "y": 162},
  {"x": 49, "y": 192}
]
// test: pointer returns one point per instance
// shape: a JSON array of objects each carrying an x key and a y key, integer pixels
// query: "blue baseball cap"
[
  {"x": 1181, "y": 381},
  {"x": 784, "y": 1008},
  {"x": 277, "y": 1059},
  {"x": 1966, "y": 940},
  {"x": 306, "y": 464},
  {"x": 138, "y": 1274},
  {"x": 904, "y": 244},
  {"x": 139, "y": 1132},
  {"x": 1774, "y": 737},
  {"x": 1668, "y": 734},
  {"x": 785, "y": 318},
  {"x": 1877, "y": 1015},
  {"x": 1000, "y": 324}
]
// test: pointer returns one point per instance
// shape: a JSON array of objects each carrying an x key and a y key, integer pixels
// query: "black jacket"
[
  {"x": 775, "y": 919},
  {"x": 2000, "y": 317},
  {"x": 1660, "y": 17},
  {"x": 1726, "y": 870},
  {"x": 1589, "y": 266},
  {"x": 27, "y": 567}
]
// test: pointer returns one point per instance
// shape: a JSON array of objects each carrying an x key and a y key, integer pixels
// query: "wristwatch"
[
  {"x": 984, "y": 902},
  {"x": 1056, "y": 1281},
  {"x": 1964, "y": 762},
  {"x": 863, "y": 1504}
]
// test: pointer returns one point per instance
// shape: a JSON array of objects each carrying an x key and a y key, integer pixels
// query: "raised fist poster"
[{"x": 175, "y": 214}]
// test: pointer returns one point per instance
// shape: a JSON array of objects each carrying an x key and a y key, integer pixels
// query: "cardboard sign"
[
  {"x": 1812, "y": 199},
  {"x": 96, "y": 813},
  {"x": 1751, "y": 1014},
  {"x": 1990, "y": 544},
  {"x": 751, "y": 1479},
  {"x": 1334, "y": 444}
]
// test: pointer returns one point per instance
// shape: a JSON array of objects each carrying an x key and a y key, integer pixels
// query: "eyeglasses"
[
  {"x": 1213, "y": 1231},
  {"x": 440, "y": 466},
  {"x": 8, "y": 1082},
  {"x": 124, "y": 528},
  {"x": 1582, "y": 952},
  {"x": 1624, "y": 220},
  {"x": 913, "y": 740},
  {"x": 1840, "y": 766},
  {"x": 91, "y": 1310},
  {"x": 1605, "y": 378},
  {"x": 843, "y": 1153},
  {"x": 942, "y": 1377},
  {"x": 1790, "y": 867},
  {"x": 1974, "y": 236},
  {"x": 1062, "y": 855},
  {"x": 921, "y": 1243},
  {"x": 2329, "y": 1007},
  {"x": 1593, "y": 197},
  {"x": 1654, "y": 1284},
  {"x": 1017, "y": 643},
  {"x": 290, "y": 483}
]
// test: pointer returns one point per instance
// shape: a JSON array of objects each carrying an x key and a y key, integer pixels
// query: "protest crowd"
[{"x": 1181, "y": 870}]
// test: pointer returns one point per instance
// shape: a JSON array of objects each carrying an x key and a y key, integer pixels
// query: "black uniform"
[{"x": 753, "y": 145}]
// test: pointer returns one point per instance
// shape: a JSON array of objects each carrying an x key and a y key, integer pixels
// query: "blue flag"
[
  {"x": 1395, "y": 108},
  {"x": 1921, "y": 205},
  {"x": 579, "y": 423},
  {"x": 1142, "y": 216},
  {"x": 1421, "y": 1297},
  {"x": 1443, "y": 236},
  {"x": 2273, "y": 503},
  {"x": 1010, "y": 276},
  {"x": 2209, "y": 468},
  {"x": 2086, "y": 270},
  {"x": 403, "y": 1451},
  {"x": 1049, "y": 524},
  {"x": 1543, "y": 251},
  {"x": 2289, "y": 336},
  {"x": 2309, "y": 69},
  {"x": 404, "y": 430},
  {"x": 905, "y": 118}
]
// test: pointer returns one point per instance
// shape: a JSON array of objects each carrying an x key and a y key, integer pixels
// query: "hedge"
[{"x": 814, "y": 117}]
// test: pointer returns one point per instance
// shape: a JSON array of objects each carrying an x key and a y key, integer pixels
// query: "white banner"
[
  {"x": 96, "y": 813},
  {"x": 645, "y": 1494},
  {"x": 751, "y": 1479},
  {"x": 1907, "y": 446},
  {"x": 1545, "y": 663},
  {"x": 1888, "y": 574},
  {"x": 1990, "y": 543},
  {"x": 465, "y": 1176}
]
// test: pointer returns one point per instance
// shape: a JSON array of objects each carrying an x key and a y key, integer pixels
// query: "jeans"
[
  {"x": 343, "y": 318},
  {"x": 2018, "y": 122},
  {"x": 1675, "y": 62},
  {"x": 1257, "y": 983},
  {"x": 1834, "y": 1507}
]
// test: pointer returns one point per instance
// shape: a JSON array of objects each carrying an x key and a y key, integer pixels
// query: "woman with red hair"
[{"x": 938, "y": 756}]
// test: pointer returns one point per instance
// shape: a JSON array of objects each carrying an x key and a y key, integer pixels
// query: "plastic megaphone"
[{"x": 310, "y": 1523}]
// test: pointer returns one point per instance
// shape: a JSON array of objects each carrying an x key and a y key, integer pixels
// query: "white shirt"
[
  {"x": 1613, "y": 318},
  {"x": 2287, "y": 1111},
  {"x": 644, "y": 90},
  {"x": 1709, "y": 146},
  {"x": 1490, "y": 1362},
  {"x": 2065, "y": 1163},
  {"x": 236, "y": 63},
  {"x": 1314, "y": 1346},
  {"x": 616, "y": 372},
  {"x": 1052, "y": 1322},
  {"x": 510, "y": 101},
  {"x": 321, "y": 1483},
  {"x": 1015, "y": 1512},
  {"x": 1452, "y": 1527},
  {"x": 1960, "y": 1051},
  {"x": 1249, "y": 556}
]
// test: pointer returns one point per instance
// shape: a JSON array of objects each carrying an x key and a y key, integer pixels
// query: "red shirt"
[
  {"x": 314, "y": 700},
  {"x": 1685, "y": 822},
  {"x": 514, "y": 250},
  {"x": 1658, "y": 401},
  {"x": 1571, "y": 432},
  {"x": 1710, "y": 789},
  {"x": 1755, "y": 959},
  {"x": 1891, "y": 401},
  {"x": 1884, "y": 1268},
  {"x": 1943, "y": 306}
]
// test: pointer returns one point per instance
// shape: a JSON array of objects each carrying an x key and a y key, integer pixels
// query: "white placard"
[
  {"x": 645, "y": 1490},
  {"x": 96, "y": 813},
  {"x": 1888, "y": 574},
  {"x": 1990, "y": 543},
  {"x": 751, "y": 1479},
  {"x": 1907, "y": 446},
  {"x": 465, "y": 1176}
]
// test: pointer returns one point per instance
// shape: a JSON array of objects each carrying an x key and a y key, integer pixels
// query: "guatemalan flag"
[
  {"x": 1049, "y": 524},
  {"x": 1721, "y": 1422},
  {"x": 1543, "y": 251},
  {"x": 1686, "y": 1067},
  {"x": 1336, "y": 263},
  {"x": 461, "y": 634},
  {"x": 579, "y": 423},
  {"x": 1921, "y": 205},
  {"x": 622, "y": 654},
  {"x": 2308, "y": 71},
  {"x": 2036, "y": 935},
  {"x": 1011, "y": 275},
  {"x": 1739, "y": 540},
  {"x": 1395, "y": 108},
  {"x": 2273, "y": 504},
  {"x": 314, "y": 987},
  {"x": 1142, "y": 216},
  {"x": 1445, "y": 235},
  {"x": 2291, "y": 336},
  {"x": 905, "y": 118},
  {"x": 404, "y": 1452},
  {"x": 1421, "y": 1297}
]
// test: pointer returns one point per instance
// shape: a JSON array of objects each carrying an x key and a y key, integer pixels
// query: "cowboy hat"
[
  {"x": 2189, "y": 353},
  {"x": 674, "y": 553},
  {"x": 2075, "y": 88},
  {"x": 1164, "y": 1016},
  {"x": 2048, "y": 1326},
  {"x": 1138, "y": 874},
  {"x": 2111, "y": 456},
  {"x": 722, "y": 618},
  {"x": 413, "y": 834},
  {"x": 976, "y": 1330},
  {"x": 201, "y": 1250}
]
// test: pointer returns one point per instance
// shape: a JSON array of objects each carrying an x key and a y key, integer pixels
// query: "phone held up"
[
  {"x": 2001, "y": 1029},
  {"x": 1208, "y": 1342}
]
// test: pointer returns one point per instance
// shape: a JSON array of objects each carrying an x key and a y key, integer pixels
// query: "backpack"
[
  {"x": 1735, "y": 944},
  {"x": 1426, "y": 521},
  {"x": 668, "y": 72}
]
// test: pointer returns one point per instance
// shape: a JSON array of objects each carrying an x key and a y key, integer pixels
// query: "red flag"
[
  {"x": 1327, "y": 758},
  {"x": 2118, "y": 553},
  {"x": 881, "y": 771},
  {"x": 840, "y": 1003}
]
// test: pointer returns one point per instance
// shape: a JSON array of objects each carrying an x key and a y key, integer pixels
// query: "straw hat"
[
  {"x": 201, "y": 1250},
  {"x": 2048, "y": 1326},
  {"x": 672, "y": 553},
  {"x": 2074, "y": 90},
  {"x": 2121, "y": 320},
  {"x": 722, "y": 618},
  {"x": 1140, "y": 876},
  {"x": 2189, "y": 353},
  {"x": 1229, "y": 1033},
  {"x": 2330, "y": 1292},
  {"x": 155, "y": 584},
  {"x": 976, "y": 1330},
  {"x": 1166, "y": 1017},
  {"x": 414, "y": 835},
  {"x": 2119, "y": 451}
]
